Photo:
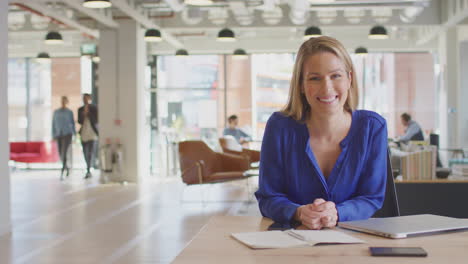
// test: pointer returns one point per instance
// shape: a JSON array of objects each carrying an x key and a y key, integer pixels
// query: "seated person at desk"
[
  {"x": 322, "y": 161},
  {"x": 232, "y": 130},
  {"x": 413, "y": 130}
]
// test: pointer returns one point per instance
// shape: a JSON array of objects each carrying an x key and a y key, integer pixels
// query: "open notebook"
[{"x": 293, "y": 238}]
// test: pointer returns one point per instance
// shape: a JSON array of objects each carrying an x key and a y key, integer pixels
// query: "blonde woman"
[
  {"x": 322, "y": 161},
  {"x": 63, "y": 129}
]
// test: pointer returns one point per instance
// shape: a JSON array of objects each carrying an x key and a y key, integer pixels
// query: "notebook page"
[
  {"x": 323, "y": 236},
  {"x": 269, "y": 239}
]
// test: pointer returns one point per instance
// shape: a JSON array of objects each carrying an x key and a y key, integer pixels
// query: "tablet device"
[{"x": 398, "y": 252}]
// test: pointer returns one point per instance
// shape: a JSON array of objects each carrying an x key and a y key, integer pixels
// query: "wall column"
[
  {"x": 449, "y": 88},
  {"x": 5, "y": 226},
  {"x": 463, "y": 106},
  {"x": 121, "y": 95}
]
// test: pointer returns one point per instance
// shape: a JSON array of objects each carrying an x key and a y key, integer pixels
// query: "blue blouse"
[{"x": 290, "y": 175}]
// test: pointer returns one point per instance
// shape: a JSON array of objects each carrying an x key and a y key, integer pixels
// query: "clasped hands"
[{"x": 318, "y": 214}]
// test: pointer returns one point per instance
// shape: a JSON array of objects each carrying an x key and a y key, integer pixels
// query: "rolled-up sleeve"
[
  {"x": 271, "y": 194},
  {"x": 370, "y": 192}
]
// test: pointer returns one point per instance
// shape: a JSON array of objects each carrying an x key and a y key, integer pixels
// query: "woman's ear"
[{"x": 350, "y": 76}]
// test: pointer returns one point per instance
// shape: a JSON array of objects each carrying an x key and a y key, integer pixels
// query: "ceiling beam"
[
  {"x": 65, "y": 20},
  {"x": 98, "y": 16},
  {"x": 175, "y": 5},
  {"x": 455, "y": 14},
  {"x": 145, "y": 21}
]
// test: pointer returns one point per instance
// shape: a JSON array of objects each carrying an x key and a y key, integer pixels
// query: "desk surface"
[{"x": 214, "y": 245}]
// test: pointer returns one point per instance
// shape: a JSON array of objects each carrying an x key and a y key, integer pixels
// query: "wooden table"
[
  {"x": 214, "y": 245},
  {"x": 456, "y": 152}
]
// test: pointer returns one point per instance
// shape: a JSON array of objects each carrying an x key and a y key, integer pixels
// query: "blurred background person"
[
  {"x": 233, "y": 130},
  {"x": 413, "y": 131},
  {"x": 63, "y": 129},
  {"x": 88, "y": 119}
]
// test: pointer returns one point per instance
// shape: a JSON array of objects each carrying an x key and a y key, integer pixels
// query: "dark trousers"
[
  {"x": 88, "y": 152},
  {"x": 63, "y": 143}
]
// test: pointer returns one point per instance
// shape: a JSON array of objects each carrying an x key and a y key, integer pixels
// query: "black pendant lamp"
[
  {"x": 226, "y": 35},
  {"x": 240, "y": 54},
  {"x": 153, "y": 35},
  {"x": 181, "y": 52},
  {"x": 43, "y": 56},
  {"x": 312, "y": 32},
  {"x": 378, "y": 32},
  {"x": 97, "y": 3},
  {"x": 360, "y": 50},
  {"x": 53, "y": 37}
]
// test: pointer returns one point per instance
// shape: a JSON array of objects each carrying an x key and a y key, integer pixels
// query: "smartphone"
[
  {"x": 398, "y": 251},
  {"x": 279, "y": 226}
]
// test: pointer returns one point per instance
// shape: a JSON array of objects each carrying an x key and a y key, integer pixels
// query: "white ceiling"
[{"x": 260, "y": 26}]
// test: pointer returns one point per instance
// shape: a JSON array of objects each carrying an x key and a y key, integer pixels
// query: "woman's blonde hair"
[{"x": 297, "y": 106}]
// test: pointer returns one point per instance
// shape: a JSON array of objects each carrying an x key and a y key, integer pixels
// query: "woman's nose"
[{"x": 327, "y": 84}]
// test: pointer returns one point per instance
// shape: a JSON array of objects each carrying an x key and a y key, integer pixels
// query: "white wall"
[
  {"x": 463, "y": 109},
  {"x": 121, "y": 95},
  {"x": 4, "y": 147},
  {"x": 449, "y": 90}
]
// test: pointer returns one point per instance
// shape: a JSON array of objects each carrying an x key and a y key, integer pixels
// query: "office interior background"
[{"x": 149, "y": 98}]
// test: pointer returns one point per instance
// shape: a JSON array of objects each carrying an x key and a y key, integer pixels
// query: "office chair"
[
  {"x": 231, "y": 146},
  {"x": 390, "y": 206},
  {"x": 199, "y": 164}
]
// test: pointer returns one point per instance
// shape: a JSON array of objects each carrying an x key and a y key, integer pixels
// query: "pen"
[{"x": 295, "y": 235}]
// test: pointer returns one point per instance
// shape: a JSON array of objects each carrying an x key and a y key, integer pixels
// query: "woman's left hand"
[{"x": 327, "y": 209}]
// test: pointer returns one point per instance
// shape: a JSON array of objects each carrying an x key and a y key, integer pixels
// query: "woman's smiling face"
[{"x": 325, "y": 83}]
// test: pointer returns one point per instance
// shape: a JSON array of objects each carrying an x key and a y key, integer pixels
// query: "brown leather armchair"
[
  {"x": 231, "y": 146},
  {"x": 199, "y": 164}
]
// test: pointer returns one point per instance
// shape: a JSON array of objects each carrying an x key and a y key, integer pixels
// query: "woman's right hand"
[{"x": 317, "y": 215}]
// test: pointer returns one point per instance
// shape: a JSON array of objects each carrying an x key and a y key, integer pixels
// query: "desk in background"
[
  {"x": 214, "y": 245},
  {"x": 456, "y": 152}
]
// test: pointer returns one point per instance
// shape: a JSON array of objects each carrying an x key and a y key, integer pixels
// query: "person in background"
[
  {"x": 322, "y": 161},
  {"x": 413, "y": 130},
  {"x": 88, "y": 119},
  {"x": 232, "y": 130},
  {"x": 63, "y": 129}
]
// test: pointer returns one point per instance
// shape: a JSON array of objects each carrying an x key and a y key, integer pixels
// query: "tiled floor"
[{"x": 78, "y": 221}]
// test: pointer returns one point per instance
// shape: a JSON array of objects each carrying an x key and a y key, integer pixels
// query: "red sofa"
[{"x": 34, "y": 151}]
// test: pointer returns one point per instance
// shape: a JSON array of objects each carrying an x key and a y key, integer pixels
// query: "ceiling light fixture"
[
  {"x": 312, "y": 32},
  {"x": 153, "y": 35},
  {"x": 321, "y": 1},
  {"x": 198, "y": 2},
  {"x": 181, "y": 52},
  {"x": 97, "y": 3},
  {"x": 361, "y": 50},
  {"x": 240, "y": 54},
  {"x": 53, "y": 37},
  {"x": 43, "y": 57},
  {"x": 226, "y": 35},
  {"x": 378, "y": 32}
]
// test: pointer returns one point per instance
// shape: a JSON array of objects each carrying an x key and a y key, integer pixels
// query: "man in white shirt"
[{"x": 232, "y": 130}]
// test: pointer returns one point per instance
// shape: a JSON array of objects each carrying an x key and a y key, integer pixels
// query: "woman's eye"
[
  {"x": 314, "y": 78},
  {"x": 335, "y": 76}
]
